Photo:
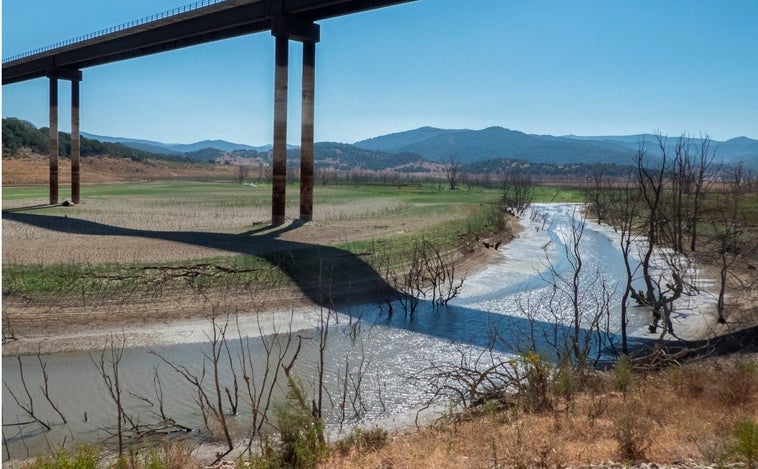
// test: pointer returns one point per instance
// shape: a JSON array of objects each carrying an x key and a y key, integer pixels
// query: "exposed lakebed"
[{"x": 370, "y": 357}]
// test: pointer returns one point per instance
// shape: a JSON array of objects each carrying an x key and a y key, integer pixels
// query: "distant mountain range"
[
  {"x": 732, "y": 151},
  {"x": 468, "y": 147},
  {"x": 176, "y": 148},
  {"x": 492, "y": 143}
]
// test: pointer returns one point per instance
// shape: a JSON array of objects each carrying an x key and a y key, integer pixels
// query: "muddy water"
[
  {"x": 380, "y": 352},
  {"x": 367, "y": 343}
]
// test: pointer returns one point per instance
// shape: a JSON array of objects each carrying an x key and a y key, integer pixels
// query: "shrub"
[
  {"x": 85, "y": 457},
  {"x": 167, "y": 456},
  {"x": 740, "y": 384},
  {"x": 535, "y": 394},
  {"x": 622, "y": 372},
  {"x": 363, "y": 440},
  {"x": 301, "y": 433},
  {"x": 570, "y": 378},
  {"x": 632, "y": 431},
  {"x": 746, "y": 446}
]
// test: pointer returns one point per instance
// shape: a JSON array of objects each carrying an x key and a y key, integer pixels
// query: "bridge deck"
[{"x": 207, "y": 23}]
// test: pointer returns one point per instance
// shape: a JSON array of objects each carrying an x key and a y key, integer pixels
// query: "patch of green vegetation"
[
  {"x": 413, "y": 194},
  {"x": 557, "y": 194},
  {"x": 193, "y": 190},
  {"x": 85, "y": 457},
  {"x": 746, "y": 444},
  {"x": 238, "y": 272},
  {"x": 25, "y": 192},
  {"x": 478, "y": 221},
  {"x": 372, "y": 439}
]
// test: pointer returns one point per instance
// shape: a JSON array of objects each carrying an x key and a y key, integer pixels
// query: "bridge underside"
[
  {"x": 283, "y": 29},
  {"x": 286, "y": 19}
]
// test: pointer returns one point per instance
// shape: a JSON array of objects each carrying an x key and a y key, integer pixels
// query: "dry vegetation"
[
  {"x": 686, "y": 413},
  {"x": 30, "y": 168}
]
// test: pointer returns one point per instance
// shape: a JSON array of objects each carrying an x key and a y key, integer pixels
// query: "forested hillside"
[
  {"x": 497, "y": 143},
  {"x": 18, "y": 134},
  {"x": 492, "y": 143}
]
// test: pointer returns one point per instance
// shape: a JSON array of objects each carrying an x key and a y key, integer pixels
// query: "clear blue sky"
[{"x": 582, "y": 67}]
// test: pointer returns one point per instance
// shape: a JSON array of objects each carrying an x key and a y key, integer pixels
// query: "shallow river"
[{"x": 497, "y": 308}]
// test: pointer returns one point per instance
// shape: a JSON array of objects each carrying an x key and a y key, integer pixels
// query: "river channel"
[{"x": 495, "y": 312}]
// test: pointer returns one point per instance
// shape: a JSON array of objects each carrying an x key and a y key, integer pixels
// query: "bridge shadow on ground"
[
  {"x": 338, "y": 279},
  {"x": 328, "y": 276}
]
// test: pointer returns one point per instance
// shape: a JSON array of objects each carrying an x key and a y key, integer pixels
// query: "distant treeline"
[
  {"x": 575, "y": 170},
  {"x": 18, "y": 134}
]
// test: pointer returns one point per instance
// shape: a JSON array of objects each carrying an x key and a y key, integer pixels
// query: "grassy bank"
[{"x": 50, "y": 254}]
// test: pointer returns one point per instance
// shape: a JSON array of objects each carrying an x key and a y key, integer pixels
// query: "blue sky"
[{"x": 555, "y": 67}]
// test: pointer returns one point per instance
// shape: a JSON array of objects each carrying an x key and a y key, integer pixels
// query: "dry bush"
[
  {"x": 666, "y": 416},
  {"x": 739, "y": 385},
  {"x": 632, "y": 430},
  {"x": 170, "y": 455},
  {"x": 363, "y": 440}
]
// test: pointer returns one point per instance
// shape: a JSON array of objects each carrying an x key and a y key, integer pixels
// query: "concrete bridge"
[{"x": 193, "y": 24}]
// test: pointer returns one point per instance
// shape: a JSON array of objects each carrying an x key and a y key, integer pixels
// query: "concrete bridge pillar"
[
  {"x": 52, "y": 142},
  {"x": 75, "y": 76},
  {"x": 284, "y": 28},
  {"x": 306, "y": 132},
  {"x": 75, "y": 142},
  {"x": 279, "y": 176}
]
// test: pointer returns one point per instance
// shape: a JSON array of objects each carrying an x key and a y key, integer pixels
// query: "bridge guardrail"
[{"x": 147, "y": 19}]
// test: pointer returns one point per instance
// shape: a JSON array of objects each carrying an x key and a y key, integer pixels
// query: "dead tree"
[
  {"x": 728, "y": 233},
  {"x": 218, "y": 339},
  {"x": 424, "y": 272},
  {"x": 596, "y": 194},
  {"x": 45, "y": 387},
  {"x": 651, "y": 180},
  {"x": 578, "y": 305},
  {"x": 701, "y": 171},
  {"x": 262, "y": 380},
  {"x": 680, "y": 184},
  {"x": 240, "y": 173},
  {"x": 207, "y": 403},
  {"x": 518, "y": 193},
  {"x": 108, "y": 364},
  {"x": 625, "y": 207},
  {"x": 28, "y": 405},
  {"x": 452, "y": 172}
]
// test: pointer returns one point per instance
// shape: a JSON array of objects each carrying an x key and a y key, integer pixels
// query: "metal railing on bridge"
[{"x": 147, "y": 19}]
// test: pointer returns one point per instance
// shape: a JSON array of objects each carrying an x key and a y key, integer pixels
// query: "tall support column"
[
  {"x": 285, "y": 28},
  {"x": 306, "y": 142},
  {"x": 278, "y": 196},
  {"x": 53, "y": 141},
  {"x": 75, "y": 142}
]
